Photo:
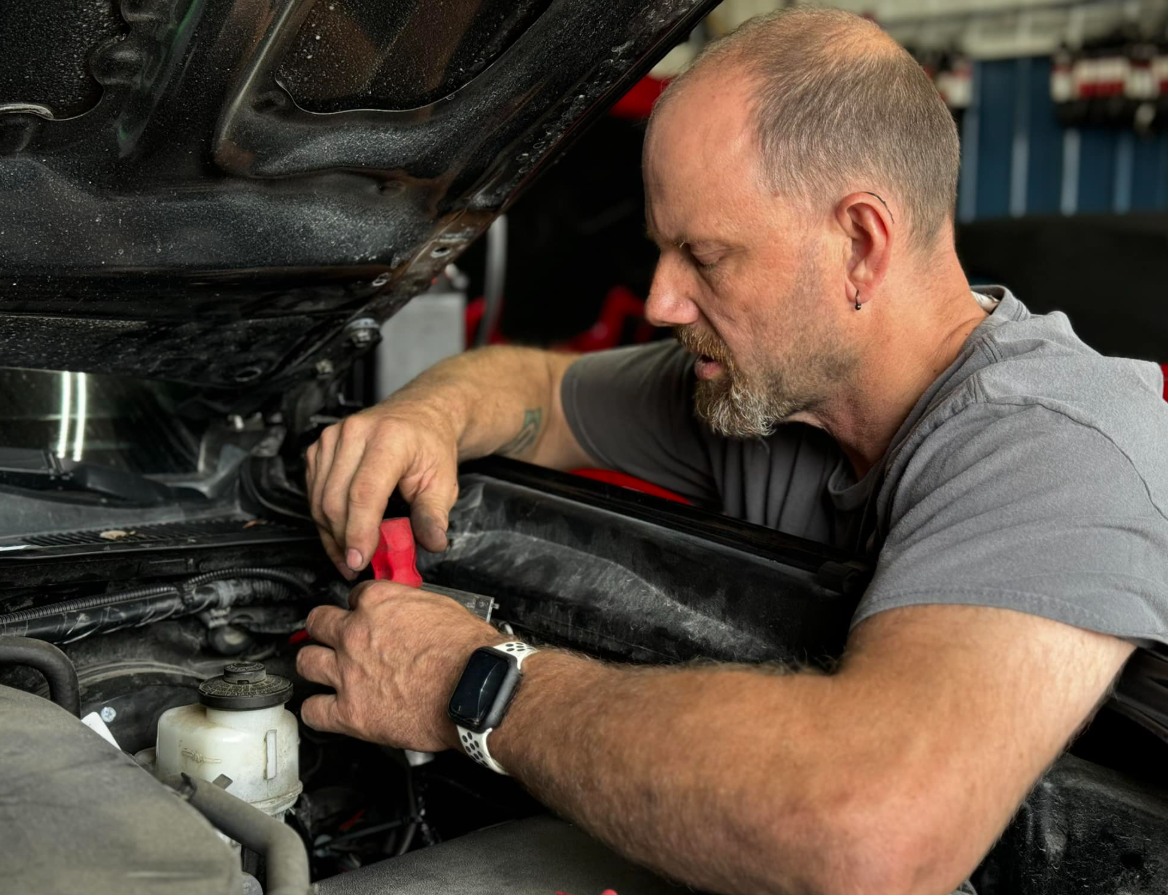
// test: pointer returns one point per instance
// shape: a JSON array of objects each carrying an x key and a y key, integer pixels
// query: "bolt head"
[
  {"x": 108, "y": 713},
  {"x": 361, "y": 337}
]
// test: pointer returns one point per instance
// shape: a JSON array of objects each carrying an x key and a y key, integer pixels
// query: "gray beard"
[{"x": 737, "y": 409}]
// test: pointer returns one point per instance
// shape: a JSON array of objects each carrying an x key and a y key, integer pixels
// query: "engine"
[{"x": 175, "y": 644}]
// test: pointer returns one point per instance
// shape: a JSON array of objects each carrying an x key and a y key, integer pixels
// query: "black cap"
[{"x": 243, "y": 686}]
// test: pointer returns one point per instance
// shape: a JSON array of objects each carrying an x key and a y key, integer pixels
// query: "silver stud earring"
[{"x": 858, "y": 299}]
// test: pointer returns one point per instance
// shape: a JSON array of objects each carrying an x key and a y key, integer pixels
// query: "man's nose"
[{"x": 668, "y": 304}]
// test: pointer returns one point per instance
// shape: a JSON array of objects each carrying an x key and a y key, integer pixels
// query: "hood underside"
[{"x": 212, "y": 191}]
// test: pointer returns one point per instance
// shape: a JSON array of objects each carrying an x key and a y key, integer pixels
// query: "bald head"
[{"x": 836, "y": 105}]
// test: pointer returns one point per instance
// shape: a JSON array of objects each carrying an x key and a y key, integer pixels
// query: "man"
[{"x": 800, "y": 185}]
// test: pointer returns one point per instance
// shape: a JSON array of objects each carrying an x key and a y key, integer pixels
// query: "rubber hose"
[
  {"x": 84, "y": 603},
  {"x": 70, "y": 626},
  {"x": 51, "y": 662},
  {"x": 67, "y": 626},
  {"x": 225, "y": 593},
  {"x": 289, "y": 578},
  {"x": 284, "y": 854}
]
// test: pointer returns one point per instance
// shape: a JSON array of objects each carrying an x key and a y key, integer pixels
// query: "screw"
[
  {"x": 362, "y": 332},
  {"x": 324, "y": 368},
  {"x": 108, "y": 713}
]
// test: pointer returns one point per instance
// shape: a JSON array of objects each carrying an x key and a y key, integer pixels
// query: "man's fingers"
[
  {"x": 335, "y": 553},
  {"x": 322, "y": 713},
  {"x": 347, "y": 459},
  {"x": 324, "y": 624},
  {"x": 367, "y": 495},
  {"x": 430, "y": 512},
  {"x": 324, "y": 459},
  {"x": 310, "y": 466},
  {"x": 352, "y": 471},
  {"x": 319, "y": 665}
]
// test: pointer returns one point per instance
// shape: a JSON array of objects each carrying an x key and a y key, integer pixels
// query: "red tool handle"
[{"x": 396, "y": 556}]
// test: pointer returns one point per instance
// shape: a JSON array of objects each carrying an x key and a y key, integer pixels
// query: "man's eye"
[{"x": 704, "y": 261}]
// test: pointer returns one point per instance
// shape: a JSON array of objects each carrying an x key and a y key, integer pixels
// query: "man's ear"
[{"x": 868, "y": 223}]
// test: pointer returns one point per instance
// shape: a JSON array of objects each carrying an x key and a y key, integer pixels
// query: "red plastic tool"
[{"x": 396, "y": 556}]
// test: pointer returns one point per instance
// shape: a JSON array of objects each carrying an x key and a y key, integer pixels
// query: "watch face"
[{"x": 479, "y": 688}]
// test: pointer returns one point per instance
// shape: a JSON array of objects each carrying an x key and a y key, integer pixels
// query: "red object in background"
[
  {"x": 475, "y": 308},
  {"x": 628, "y": 481},
  {"x": 1164, "y": 367},
  {"x": 620, "y": 306},
  {"x": 396, "y": 556},
  {"x": 638, "y": 102}
]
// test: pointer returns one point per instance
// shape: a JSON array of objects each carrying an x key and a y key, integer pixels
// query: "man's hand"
[
  {"x": 357, "y": 463},
  {"x": 494, "y": 400},
  {"x": 394, "y": 661}
]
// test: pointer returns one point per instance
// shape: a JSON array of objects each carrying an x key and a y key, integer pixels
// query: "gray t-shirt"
[{"x": 1032, "y": 475}]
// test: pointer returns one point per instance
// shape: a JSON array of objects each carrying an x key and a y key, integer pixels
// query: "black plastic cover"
[
  {"x": 78, "y": 815},
  {"x": 229, "y": 206},
  {"x": 336, "y": 62},
  {"x": 1084, "y": 830},
  {"x": 627, "y": 576}
]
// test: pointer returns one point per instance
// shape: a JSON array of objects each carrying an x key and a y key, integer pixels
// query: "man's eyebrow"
[
  {"x": 654, "y": 237},
  {"x": 660, "y": 240}
]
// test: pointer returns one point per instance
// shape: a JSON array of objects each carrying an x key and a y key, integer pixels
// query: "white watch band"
[{"x": 475, "y": 744}]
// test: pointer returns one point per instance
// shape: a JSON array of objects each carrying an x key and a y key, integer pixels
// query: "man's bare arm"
[
  {"x": 894, "y": 775},
  {"x": 495, "y": 400},
  {"x": 502, "y": 400}
]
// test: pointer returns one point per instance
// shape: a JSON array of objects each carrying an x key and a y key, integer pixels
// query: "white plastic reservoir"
[{"x": 239, "y": 728}]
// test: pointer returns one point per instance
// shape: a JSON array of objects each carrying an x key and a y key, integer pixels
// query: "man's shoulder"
[
  {"x": 1033, "y": 376},
  {"x": 1040, "y": 361},
  {"x": 1023, "y": 375}
]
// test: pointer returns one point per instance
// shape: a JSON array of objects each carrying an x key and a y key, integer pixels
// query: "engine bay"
[{"x": 161, "y": 622}]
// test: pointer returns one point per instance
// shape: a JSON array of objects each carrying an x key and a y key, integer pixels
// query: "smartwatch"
[{"x": 483, "y": 695}]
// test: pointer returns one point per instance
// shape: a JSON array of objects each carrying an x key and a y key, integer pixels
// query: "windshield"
[{"x": 126, "y": 424}]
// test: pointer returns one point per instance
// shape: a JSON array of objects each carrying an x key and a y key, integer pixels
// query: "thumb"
[{"x": 430, "y": 514}]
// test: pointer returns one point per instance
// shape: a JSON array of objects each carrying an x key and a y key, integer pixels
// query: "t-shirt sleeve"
[
  {"x": 1021, "y": 507},
  {"x": 632, "y": 410}
]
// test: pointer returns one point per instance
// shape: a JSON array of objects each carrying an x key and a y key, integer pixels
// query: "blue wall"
[{"x": 1017, "y": 159}]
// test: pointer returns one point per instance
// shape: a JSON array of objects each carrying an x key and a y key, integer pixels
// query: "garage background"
[{"x": 1062, "y": 109}]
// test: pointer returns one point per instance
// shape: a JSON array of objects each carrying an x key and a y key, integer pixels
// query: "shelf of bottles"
[{"x": 1121, "y": 81}]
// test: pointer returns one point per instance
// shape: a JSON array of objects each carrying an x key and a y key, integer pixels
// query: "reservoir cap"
[{"x": 243, "y": 686}]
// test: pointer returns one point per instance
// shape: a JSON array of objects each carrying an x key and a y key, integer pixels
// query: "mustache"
[{"x": 702, "y": 342}]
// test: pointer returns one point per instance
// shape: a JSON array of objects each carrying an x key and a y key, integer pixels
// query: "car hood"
[{"x": 222, "y": 192}]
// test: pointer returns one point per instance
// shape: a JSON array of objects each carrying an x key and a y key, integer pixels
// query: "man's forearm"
[
  {"x": 502, "y": 400},
  {"x": 662, "y": 765}
]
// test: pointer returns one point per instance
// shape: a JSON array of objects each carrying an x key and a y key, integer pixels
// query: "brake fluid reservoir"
[{"x": 239, "y": 728}]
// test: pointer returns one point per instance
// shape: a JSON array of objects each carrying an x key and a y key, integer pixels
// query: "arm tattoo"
[{"x": 517, "y": 446}]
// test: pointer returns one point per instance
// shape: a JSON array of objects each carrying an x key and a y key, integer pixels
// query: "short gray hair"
[{"x": 838, "y": 104}]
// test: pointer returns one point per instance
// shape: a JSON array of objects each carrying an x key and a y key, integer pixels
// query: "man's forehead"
[
  {"x": 708, "y": 120},
  {"x": 701, "y": 161}
]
